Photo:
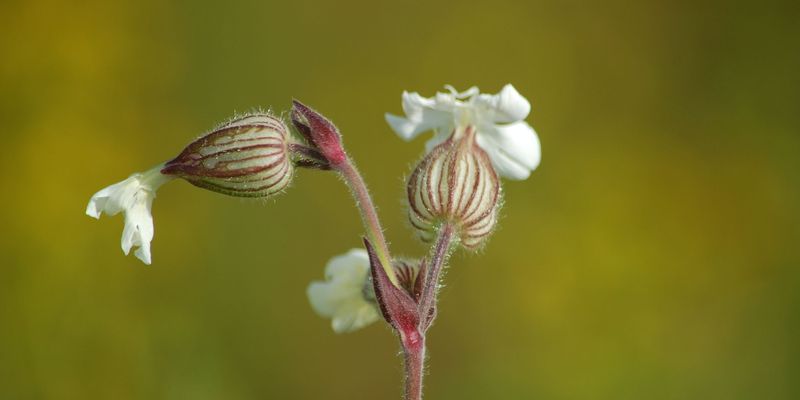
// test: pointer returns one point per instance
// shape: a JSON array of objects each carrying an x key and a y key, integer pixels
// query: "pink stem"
[
  {"x": 369, "y": 216},
  {"x": 414, "y": 356}
]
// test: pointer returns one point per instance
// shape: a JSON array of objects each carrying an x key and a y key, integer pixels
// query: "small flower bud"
[
  {"x": 319, "y": 132},
  {"x": 398, "y": 306},
  {"x": 247, "y": 157},
  {"x": 455, "y": 183}
]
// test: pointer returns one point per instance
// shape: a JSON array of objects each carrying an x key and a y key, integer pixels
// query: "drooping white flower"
[
  {"x": 134, "y": 197},
  {"x": 346, "y": 296},
  {"x": 248, "y": 156},
  {"x": 499, "y": 121}
]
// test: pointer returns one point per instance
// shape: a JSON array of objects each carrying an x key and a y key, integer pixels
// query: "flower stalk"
[
  {"x": 440, "y": 251},
  {"x": 369, "y": 215}
]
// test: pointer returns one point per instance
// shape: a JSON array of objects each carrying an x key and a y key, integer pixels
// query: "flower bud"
[
  {"x": 247, "y": 157},
  {"x": 319, "y": 132},
  {"x": 455, "y": 183}
]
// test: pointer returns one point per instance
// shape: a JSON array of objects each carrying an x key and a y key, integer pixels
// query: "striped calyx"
[
  {"x": 246, "y": 157},
  {"x": 456, "y": 184}
]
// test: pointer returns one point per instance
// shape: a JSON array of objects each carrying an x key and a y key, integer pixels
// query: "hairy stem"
[
  {"x": 369, "y": 216},
  {"x": 414, "y": 362},
  {"x": 439, "y": 253}
]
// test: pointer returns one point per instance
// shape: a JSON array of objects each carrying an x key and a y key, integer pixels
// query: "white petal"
[
  {"x": 514, "y": 149},
  {"x": 403, "y": 127},
  {"x": 95, "y": 206},
  {"x": 440, "y": 136},
  {"x": 350, "y": 267},
  {"x": 505, "y": 107},
  {"x": 134, "y": 197},
  {"x": 143, "y": 253},
  {"x": 142, "y": 218},
  {"x": 138, "y": 231},
  {"x": 422, "y": 114},
  {"x": 341, "y": 297},
  {"x": 321, "y": 295},
  {"x": 354, "y": 317},
  {"x": 343, "y": 323},
  {"x": 107, "y": 199},
  {"x": 472, "y": 91}
]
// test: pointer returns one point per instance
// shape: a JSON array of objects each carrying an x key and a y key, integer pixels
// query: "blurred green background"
[{"x": 653, "y": 255}]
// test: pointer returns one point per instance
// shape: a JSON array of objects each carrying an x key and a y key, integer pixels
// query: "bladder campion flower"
[
  {"x": 246, "y": 157},
  {"x": 498, "y": 120}
]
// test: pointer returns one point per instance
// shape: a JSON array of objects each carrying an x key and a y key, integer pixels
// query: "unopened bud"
[
  {"x": 247, "y": 157},
  {"x": 397, "y": 305},
  {"x": 456, "y": 184},
  {"x": 319, "y": 132}
]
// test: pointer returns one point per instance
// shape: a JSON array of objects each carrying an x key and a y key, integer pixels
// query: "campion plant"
[{"x": 453, "y": 193}]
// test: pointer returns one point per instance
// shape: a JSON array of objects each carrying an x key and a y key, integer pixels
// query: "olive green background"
[{"x": 653, "y": 255}]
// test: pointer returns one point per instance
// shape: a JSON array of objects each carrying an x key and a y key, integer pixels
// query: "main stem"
[
  {"x": 369, "y": 216},
  {"x": 414, "y": 362}
]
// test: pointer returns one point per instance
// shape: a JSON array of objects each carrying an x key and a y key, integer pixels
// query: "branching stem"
[{"x": 413, "y": 343}]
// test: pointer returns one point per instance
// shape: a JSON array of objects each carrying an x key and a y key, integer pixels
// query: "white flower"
[
  {"x": 499, "y": 120},
  {"x": 133, "y": 196},
  {"x": 346, "y": 296}
]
